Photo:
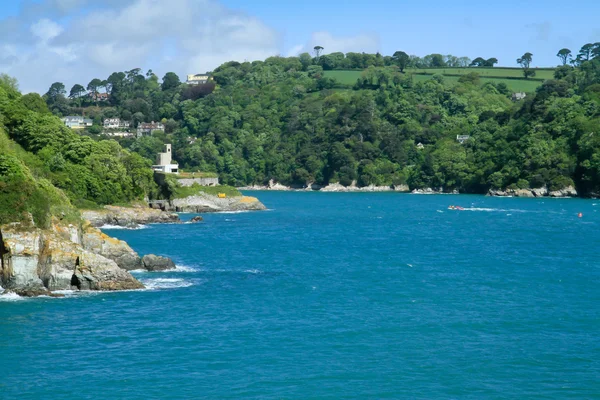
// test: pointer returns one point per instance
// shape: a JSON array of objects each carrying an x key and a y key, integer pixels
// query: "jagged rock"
[
  {"x": 31, "y": 292},
  {"x": 569, "y": 191},
  {"x": 202, "y": 203},
  {"x": 157, "y": 263},
  {"x": 117, "y": 250},
  {"x": 196, "y": 219},
  {"x": 34, "y": 262},
  {"x": 128, "y": 216}
]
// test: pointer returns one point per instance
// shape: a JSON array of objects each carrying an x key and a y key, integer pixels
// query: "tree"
[
  {"x": 94, "y": 85},
  {"x": 305, "y": 60},
  {"x": 564, "y": 55},
  {"x": 56, "y": 90},
  {"x": 525, "y": 62},
  {"x": 318, "y": 50},
  {"x": 490, "y": 62},
  {"x": 586, "y": 52},
  {"x": 478, "y": 62},
  {"x": 34, "y": 102},
  {"x": 76, "y": 91},
  {"x": 401, "y": 59},
  {"x": 170, "y": 81},
  {"x": 596, "y": 51}
]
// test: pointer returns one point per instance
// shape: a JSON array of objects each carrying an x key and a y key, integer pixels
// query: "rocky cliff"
[
  {"x": 202, "y": 203},
  {"x": 539, "y": 192},
  {"x": 37, "y": 261},
  {"x": 128, "y": 216},
  {"x": 332, "y": 187}
]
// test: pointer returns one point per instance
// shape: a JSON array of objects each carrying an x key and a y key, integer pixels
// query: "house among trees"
[
  {"x": 115, "y": 123},
  {"x": 101, "y": 97},
  {"x": 518, "y": 96},
  {"x": 146, "y": 128},
  {"x": 462, "y": 138},
  {"x": 77, "y": 122},
  {"x": 197, "y": 79},
  {"x": 164, "y": 162}
]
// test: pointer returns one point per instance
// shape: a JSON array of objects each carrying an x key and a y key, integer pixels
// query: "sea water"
[{"x": 329, "y": 296}]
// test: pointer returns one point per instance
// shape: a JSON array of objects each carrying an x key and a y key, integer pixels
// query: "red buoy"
[{"x": 580, "y": 215}]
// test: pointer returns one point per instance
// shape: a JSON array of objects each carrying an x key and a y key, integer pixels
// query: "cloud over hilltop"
[{"x": 73, "y": 41}]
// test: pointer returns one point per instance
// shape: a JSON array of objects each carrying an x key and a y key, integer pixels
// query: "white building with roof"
[
  {"x": 77, "y": 122},
  {"x": 164, "y": 162}
]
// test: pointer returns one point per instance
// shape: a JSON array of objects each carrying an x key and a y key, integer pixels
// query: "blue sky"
[{"x": 76, "y": 40}]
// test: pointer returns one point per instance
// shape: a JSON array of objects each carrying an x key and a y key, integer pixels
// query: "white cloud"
[
  {"x": 46, "y": 30},
  {"x": 296, "y": 50},
  {"x": 368, "y": 43},
  {"x": 183, "y": 36}
]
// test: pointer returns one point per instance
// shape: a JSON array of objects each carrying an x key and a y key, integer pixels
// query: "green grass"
[
  {"x": 344, "y": 77},
  {"x": 188, "y": 175},
  {"x": 512, "y": 77},
  {"x": 516, "y": 85},
  {"x": 514, "y": 73},
  {"x": 186, "y": 191}
]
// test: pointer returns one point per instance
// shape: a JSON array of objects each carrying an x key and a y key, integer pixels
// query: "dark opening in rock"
[
  {"x": 3, "y": 252},
  {"x": 74, "y": 280}
]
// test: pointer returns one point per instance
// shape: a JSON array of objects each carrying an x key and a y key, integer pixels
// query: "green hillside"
[{"x": 512, "y": 77}]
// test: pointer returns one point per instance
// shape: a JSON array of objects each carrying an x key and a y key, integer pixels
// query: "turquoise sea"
[{"x": 331, "y": 296}]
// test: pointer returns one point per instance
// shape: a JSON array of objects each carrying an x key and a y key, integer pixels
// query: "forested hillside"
[
  {"x": 38, "y": 154},
  {"x": 284, "y": 119}
]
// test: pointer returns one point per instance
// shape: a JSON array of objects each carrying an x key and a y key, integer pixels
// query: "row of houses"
[{"x": 143, "y": 129}]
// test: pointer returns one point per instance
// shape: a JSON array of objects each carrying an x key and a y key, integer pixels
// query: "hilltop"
[{"x": 439, "y": 122}]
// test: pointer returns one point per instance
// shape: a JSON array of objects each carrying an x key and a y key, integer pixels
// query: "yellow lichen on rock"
[{"x": 248, "y": 199}]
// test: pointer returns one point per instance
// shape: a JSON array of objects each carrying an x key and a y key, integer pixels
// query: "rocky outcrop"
[
  {"x": 202, "y": 203},
  {"x": 157, "y": 263},
  {"x": 332, "y": 187},
  {"x": 113, "y": 249},
  {"x": 36, "y": 262},
  {"x": 569, "y": 191},
  {"x": 196, "y": 219},
  {"x": 434, "y": 191},
  {"x": 128, "y": 216}
]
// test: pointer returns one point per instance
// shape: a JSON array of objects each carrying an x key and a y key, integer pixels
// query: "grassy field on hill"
[
  {"x": 512, "y": 77},
  {"x": 515, "y": 73}
]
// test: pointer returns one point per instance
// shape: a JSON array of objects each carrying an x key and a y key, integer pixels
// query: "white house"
[
  {"x": 146, "y": 128},
  {"x": 77, "y": 122},
  {"x": 115, "y": 123},
  {"x": 197, "y": 79},
  {"x": 164, "y": 162},
  {"x": 462, "y": 138}
]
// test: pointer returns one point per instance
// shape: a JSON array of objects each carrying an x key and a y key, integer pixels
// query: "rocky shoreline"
[
  {"x": 38, "y": 262},
  {"x": 205, "y": 203},
  {"x": 336, "y": 187},
  {"x": 332, "y": 187},
  {"x": 538, "y": 192},
  {"x": 129, "y": 217}
]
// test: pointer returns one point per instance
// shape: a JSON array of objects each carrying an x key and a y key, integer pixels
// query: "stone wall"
[{"x": 199, "y": 181}]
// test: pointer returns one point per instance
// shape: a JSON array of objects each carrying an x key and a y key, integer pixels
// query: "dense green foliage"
[
  {"x": 286, "y": 119},
  {"x": 40, "y": 153}
]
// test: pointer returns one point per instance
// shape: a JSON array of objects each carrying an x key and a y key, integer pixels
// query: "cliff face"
[
  {"x": 202, "y": 203},
  {"x": 36, "y": 262},
  {"x": 128, "y": 216}
]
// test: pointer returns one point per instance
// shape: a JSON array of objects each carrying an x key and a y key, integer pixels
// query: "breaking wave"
[{"x": 115, "y": 227}]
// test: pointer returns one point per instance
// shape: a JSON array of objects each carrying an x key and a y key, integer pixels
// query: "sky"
[{"x": 74, "y": 41}]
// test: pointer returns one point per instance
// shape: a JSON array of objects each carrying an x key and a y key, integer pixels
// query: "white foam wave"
[
  {"x": 165, "y": 283},
  {"x": 11, "y": 297},
  {"x": 184, "y": 268},
  {"x": 253, "y": 271},
  {"x": 137, "y": 227},
  {"x": 233, "y": 212},
  {"x": 491, "y": 209}
]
